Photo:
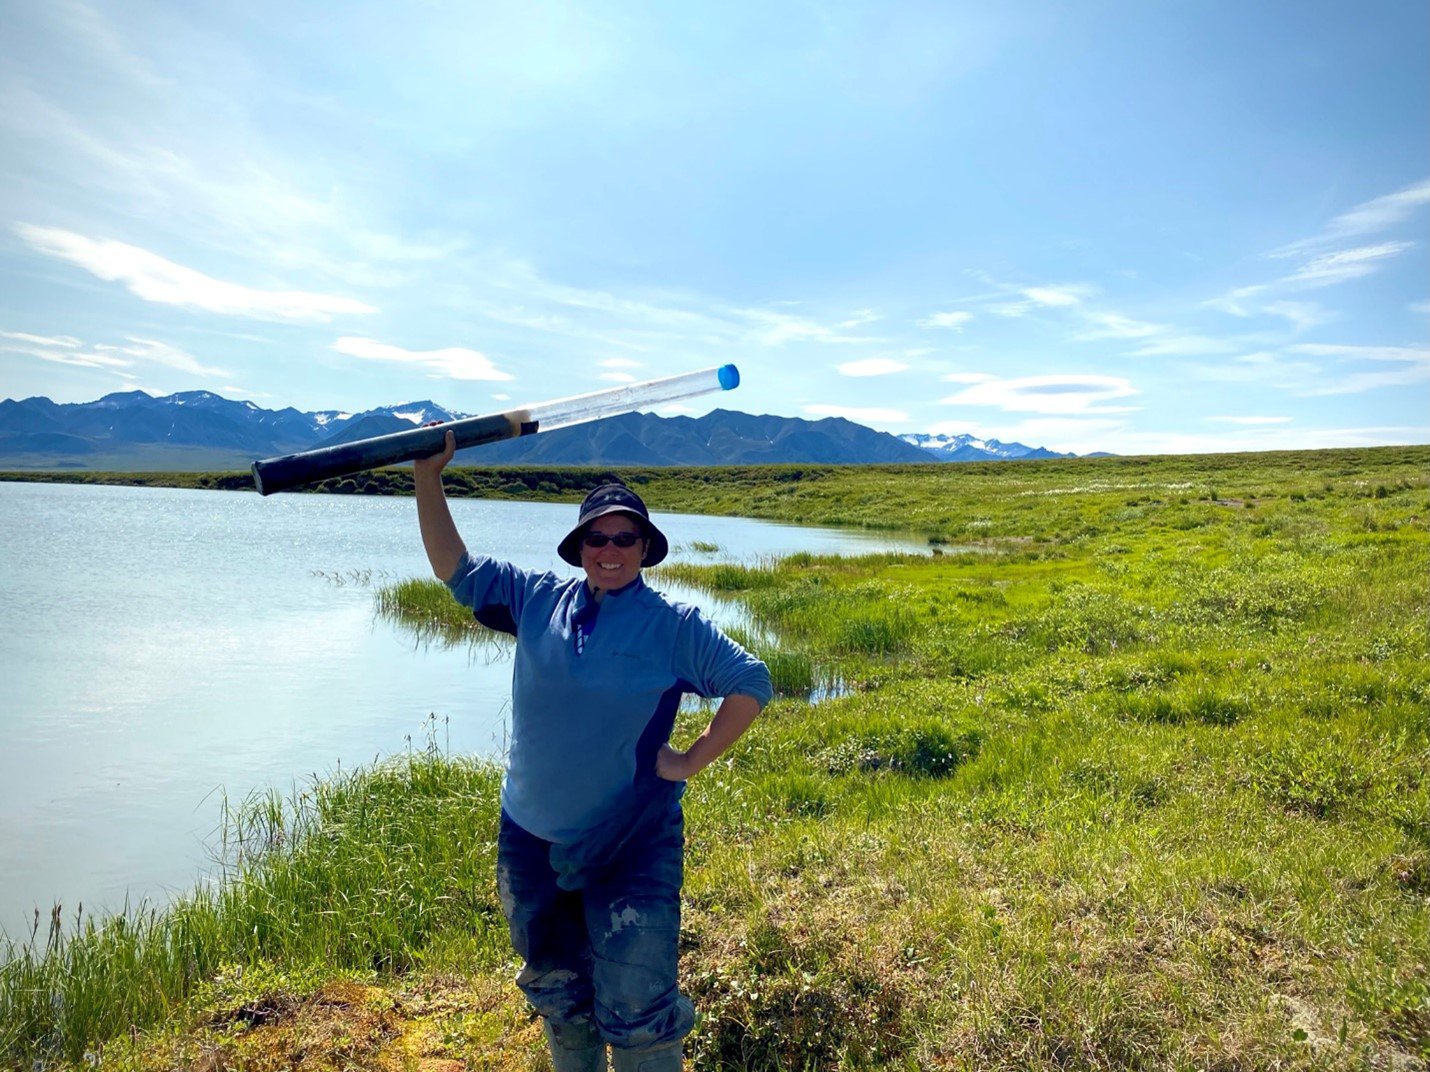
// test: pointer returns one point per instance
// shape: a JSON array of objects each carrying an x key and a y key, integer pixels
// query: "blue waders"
[{"x": 600, "y": 940}]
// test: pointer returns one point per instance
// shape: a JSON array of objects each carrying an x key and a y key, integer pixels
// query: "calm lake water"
[{"x": 160, "y": 648}]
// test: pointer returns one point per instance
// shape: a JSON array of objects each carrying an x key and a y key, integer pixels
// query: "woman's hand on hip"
[{"x": 672, "y": 764}]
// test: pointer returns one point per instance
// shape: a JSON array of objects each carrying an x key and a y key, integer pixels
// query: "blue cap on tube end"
[{"x": 729, "y": 377}]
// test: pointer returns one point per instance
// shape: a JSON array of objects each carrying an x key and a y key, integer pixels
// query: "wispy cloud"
[
  {"x": 1007, "y": 299},
  {"x": 1343, "y": 264},
  {"x": 1322, "y": 268},
  {"x": 452, "y": 362},
  {"x": 1265, "y": 367},
  {"x": 151, "y": 277},
  {"x": 1412, "y": 367},
  {"x": 616, "y": 377},
  {"x": 771, "y": 328},
  {"x": 872, "y": 366},
  {"x": 80, "y": 358},
  {"x": 1416, "y": 354},
  {"x": 183, "y": 179},
  {"x": 859, "y": 317},
  {"x": 1116, "y": 326},
  {"x": 62, "y": 341},
  {"x": 1360, "y": 382},
  {"x": 955, "y": 320},
  {"x": 1250, "y": 420},
  {"x": 1048, "y": 394},
  {"x": 1057, "y": 296},
  {"x": 134, "y": 352},
  {"x": 619, "y": 363},
  {"x": 104, "y": 43},
  {"x": 861, "y": 415},
  {"x": 1183, "y": 345},
  {"x": 152, "y": 351},
  {"x": 655, "y": 323},
  {"x": 1320, "y": 369},
  {"x": 1063, "y": 296},
  {"x": 1300, "y": 315},
  {"x": 1370, "y": 217}
]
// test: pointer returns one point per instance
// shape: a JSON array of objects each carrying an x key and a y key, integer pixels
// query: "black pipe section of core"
[{"x": 309, "y": 466}]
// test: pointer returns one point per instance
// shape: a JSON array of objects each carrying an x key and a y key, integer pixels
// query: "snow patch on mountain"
[{"x": 967, "y": 448}]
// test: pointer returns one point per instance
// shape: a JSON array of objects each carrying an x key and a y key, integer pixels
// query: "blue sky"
[{"x": 1135, "y": 227}]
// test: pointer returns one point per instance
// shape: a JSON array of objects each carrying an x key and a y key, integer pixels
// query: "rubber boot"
[
  {"x": 578, "y": 1047},
  {"x": 663, "y": 1059}
]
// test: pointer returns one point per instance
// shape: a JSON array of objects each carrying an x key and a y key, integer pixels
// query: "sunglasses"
[{"x": 620, "y": 539}]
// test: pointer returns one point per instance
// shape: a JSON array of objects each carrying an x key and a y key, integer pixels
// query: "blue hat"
[{"x": 613, "y": 499}]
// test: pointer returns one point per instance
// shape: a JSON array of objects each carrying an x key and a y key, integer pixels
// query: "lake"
[{"x": 161, "y": 648}]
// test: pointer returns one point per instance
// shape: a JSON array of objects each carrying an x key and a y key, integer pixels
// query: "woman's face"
[{"x": 610, "y": 566}]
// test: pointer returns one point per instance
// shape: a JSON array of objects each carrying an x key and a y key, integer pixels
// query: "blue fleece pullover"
[{"x": 595, "y": 687}]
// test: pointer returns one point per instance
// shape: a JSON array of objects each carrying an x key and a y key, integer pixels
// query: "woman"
[{"x": 591, "y": 845}]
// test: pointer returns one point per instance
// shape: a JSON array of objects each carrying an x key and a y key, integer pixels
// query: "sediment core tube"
[{"x": 292, "y": 470}]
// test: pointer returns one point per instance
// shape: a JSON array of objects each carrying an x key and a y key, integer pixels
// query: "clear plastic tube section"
[{"x": 613, "y": 400}]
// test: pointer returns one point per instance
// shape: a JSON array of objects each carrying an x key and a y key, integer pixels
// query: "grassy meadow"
[{"x": 1131, "y": 772}]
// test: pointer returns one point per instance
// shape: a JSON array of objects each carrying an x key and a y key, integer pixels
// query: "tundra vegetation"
[{"x": 1131, "y": 772}]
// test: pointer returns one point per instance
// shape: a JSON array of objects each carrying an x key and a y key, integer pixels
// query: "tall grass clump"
[
  {"x": 385, "y": 869},
  {"x": 791, "y": 673},
  {"x": 869, "y": 629},
  {"x": 425, "y": 607},
  {"x": 721, "y": 577}
]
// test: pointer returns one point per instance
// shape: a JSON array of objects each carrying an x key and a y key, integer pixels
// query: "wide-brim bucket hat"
[{"x": 614, "y": 499}]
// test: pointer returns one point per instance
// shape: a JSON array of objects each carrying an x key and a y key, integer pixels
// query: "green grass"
[
  {"x": 426, "y": 608},
  {"x": 389, "y": 869},
  {"x": 1141, "y": 783}
]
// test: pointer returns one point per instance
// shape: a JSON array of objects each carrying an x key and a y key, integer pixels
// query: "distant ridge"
[{"x": 199, "y": 430}]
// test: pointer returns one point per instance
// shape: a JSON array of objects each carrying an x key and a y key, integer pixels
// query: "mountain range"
[{"x": 199, "y": 430}]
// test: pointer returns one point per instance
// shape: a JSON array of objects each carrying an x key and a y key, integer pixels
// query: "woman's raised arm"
[{"x": 439, "y": 532}]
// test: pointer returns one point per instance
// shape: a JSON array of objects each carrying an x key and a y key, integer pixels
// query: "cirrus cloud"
[
  {"x": 1413, "y": 354},
  {"x": 1048, "y": 394},
  {"x": 452, "y": 362},
  {"x": 161, "y": 353},
  {"x": 1344, "y": 264},
  {"x": 954, "y": 320},
  {"x": 1369, "y": 217},
  {"x": 151, "y": 277},
  {"x": 1056, "y": 296},
  {"x": 110, "y": 357}
]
